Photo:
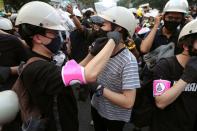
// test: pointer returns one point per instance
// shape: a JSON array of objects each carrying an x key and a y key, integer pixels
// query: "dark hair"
[
  {"x": 27, "y": 32},
  {"x": 125, "y": 34},
  {"x": 87, "y": 14}
]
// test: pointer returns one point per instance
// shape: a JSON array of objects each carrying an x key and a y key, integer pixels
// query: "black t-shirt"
[
  {"x": 161, "y": 39},
  {"x": 11, "y": 54},
  {"x": 181, "y": 114},
  {"x": 43, "y": 80}
]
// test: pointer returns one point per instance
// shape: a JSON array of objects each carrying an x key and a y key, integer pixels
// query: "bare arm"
[
  {"x": 87, "y": 59},
  {"x": 76, "y": 21},
  {"x": 170, "y": 95},
  {"x": 148, "y": 41},
  {"x": 95, "y": 66},
  {"x": 125, "y": 99}
]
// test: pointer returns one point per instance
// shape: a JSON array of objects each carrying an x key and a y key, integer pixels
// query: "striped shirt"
[{"x": 120, "y": 73}]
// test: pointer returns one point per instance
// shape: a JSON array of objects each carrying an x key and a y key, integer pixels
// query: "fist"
[{"x": 98, "y": 45}]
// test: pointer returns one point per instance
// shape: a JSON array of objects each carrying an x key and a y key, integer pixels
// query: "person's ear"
[
  {"x": 36, "y": 39},
  {"x": 185, "y": 47}
]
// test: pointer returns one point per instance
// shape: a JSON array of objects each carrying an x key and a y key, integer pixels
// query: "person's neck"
[
  {"x": 166, "y": 32},
  {"x": 183, "y": 58},
  {"x": 118, "y": 48},
  {"x": 40, "y": 51}
]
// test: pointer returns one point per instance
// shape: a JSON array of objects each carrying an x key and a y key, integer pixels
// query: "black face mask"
[
  {"x": 171, "y": 25},
  {"x": 55, "y": 45}
]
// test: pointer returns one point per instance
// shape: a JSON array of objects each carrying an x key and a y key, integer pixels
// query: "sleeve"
[
  {"x": 43, "y": 77},
  {"x": 130, "y": 76},
  {"x": 161, "y": 77},
  {"x": 161, "y": 70}
]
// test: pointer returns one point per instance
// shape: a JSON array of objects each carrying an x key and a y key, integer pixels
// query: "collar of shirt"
[
  {"x": 175, "y": 34},
  {"x": 35, "y": 54}
]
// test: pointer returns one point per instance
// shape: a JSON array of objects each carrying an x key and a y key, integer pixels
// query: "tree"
[
  {"x": 88, "y": 3},
  {"x": 125, "y": 3},
  {"x": 159, "y": 4},
  {"x": 17, "y": 4}
]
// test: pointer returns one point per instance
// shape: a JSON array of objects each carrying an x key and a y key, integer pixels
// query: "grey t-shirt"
[{"x": 120, "y": 73}]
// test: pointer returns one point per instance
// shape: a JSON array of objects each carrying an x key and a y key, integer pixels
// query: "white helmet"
[
  {"x": 77, "y": 12},
  {"x": 5, "y": 24},
  {"x": 39, "y": 14},
  {"x": 66, "y": 20},
  {"x": 13, "y": 17},
  {"x": 122, "y": 17},
  {"x": 9, "y": 106},
  {"x": 133, "y": 10},
  {"x": 90, "y": 9},
  {"x": 176, "y": 6},
  {"x": 189, "y": 29}
]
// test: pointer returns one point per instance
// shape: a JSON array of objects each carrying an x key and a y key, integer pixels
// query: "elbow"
[
  {"x": 143, "y": 50},
  {"x": 90, "y": 77},
  {"x": 128, "y": 105},
  {"x": 81, "y": 29},
  {"x": 161, "y": 105}
]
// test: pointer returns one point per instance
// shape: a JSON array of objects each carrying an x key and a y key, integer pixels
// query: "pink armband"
[
  {"x": 160, "y": 86},
  {"x": 73, "y": 73}
]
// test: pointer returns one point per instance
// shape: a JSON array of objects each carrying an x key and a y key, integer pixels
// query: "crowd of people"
[{"x": 111, "y": 56}]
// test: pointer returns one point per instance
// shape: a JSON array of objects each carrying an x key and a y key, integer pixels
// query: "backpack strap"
[
  {"x": 23, "y": 64},
  {"x": 21, "y": 91},
  {"x": 26, "y": 110}
]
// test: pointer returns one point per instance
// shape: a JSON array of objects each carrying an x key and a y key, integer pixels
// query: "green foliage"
[
  {"x": 159, "y": 4},
  {"x": 124, "y": 3},
  {"x": 88, "y": 3},
  {"x": 17, "y": 4}
]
